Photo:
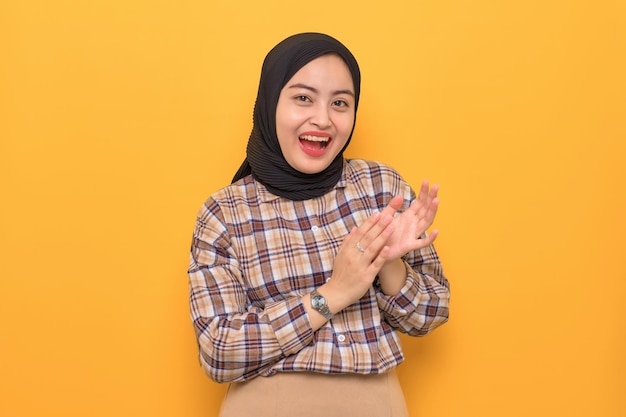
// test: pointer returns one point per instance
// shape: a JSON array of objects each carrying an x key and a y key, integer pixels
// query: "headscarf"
[{"x": 264, "y": 158}]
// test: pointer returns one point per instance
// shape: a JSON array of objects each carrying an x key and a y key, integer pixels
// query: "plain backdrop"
[{"x": 118, "y": 118}]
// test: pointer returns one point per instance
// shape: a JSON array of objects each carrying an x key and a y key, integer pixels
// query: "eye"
[
  {"x": 302, "y": 98},
  {"x": 340, "y": 103}
]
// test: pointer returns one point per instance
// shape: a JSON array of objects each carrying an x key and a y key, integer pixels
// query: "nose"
[{"x": 321, "y": 116}]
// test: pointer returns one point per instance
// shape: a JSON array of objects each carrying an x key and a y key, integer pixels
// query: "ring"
[{"x": 359, "y": 247}]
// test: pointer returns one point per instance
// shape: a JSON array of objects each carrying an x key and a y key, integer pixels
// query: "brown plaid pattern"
[{"x": 255, "y": 254}]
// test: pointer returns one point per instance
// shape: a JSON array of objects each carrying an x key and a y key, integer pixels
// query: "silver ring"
[{"x": 359, "y": 247}]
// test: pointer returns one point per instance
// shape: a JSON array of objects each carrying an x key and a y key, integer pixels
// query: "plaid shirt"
[{"x": 255, "y": 254}]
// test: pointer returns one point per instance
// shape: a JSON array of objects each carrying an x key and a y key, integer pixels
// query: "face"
[{"x": 315, "y": 114}]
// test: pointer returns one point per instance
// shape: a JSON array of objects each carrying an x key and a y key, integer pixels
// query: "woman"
[{"x": 304, "y": 269}]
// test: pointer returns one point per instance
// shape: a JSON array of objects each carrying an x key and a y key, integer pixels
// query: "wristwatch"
[{"x": 319, "y": 304}]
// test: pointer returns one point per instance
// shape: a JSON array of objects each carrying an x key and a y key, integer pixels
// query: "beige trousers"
[{"x": 306, "y": 394}]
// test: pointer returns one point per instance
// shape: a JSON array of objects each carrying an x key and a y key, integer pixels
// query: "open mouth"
[{"x": 314, "y": 143}]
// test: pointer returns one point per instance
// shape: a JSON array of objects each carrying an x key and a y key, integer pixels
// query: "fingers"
[
  {"x": 369, "y": 238},
  {"x": 400, "y": 233},
  {"x": 394, "y": 205},
  {"x": 380, "y": 259},
  {"x": 428, "y": 212},
  {"x": 361, "y": 256},
  {"x": 429, "y": 192},
  {"x": 426, "y": 204},
  {"x": 428, "y": 239},
  {"x": 433, "y": 201}
]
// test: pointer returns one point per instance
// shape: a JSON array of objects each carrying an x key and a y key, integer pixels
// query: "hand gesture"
[
  {"x": 410, "y": 226},
  {"x": 360, "y": 257},
  {"x": 381, "y": 239}
]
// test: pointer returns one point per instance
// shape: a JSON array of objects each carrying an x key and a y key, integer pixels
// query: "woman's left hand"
[{"x": 410, "y": 226}]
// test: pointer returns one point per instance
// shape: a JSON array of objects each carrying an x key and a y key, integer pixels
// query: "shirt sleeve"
[
  {"x": 236, "y": 341},
  {"x": 422, "y": 304}
]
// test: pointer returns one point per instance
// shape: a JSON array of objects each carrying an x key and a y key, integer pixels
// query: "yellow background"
[{"x": 119, "y": 117}]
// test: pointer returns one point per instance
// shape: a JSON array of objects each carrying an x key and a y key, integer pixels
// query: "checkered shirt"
[{"x": 254, "y": 255}]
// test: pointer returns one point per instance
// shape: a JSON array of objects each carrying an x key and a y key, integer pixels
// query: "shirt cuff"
[
  {"x": 403, "y": 303},
  {"x": 291, "y": 325}
]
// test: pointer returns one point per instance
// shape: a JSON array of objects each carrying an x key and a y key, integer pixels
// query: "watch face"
[{"x": 318, "y": 301}]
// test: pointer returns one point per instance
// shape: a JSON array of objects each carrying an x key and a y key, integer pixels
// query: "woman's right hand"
[{"x": 357, "y": 264}]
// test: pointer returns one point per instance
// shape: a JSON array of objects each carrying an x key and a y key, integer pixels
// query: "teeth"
[{"x": 315, "y": 138}]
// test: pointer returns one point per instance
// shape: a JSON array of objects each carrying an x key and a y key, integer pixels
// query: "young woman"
[{"x": 304, "y": 269}]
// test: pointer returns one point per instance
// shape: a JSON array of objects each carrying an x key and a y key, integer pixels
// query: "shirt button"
[
  {"x": 314, "y": 228},
  {"x": 327, "y": 279},
  {"x": 341, "y": 338}
]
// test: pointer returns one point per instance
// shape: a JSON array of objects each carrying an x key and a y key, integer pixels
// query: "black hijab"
[{"x": 264, "y": 160}]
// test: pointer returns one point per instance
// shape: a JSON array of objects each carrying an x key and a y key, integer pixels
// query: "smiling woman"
[{"x": 304, "y": 270}]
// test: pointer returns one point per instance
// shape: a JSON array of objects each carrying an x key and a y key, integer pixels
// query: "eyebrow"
[{"x": 316, "y": 91}]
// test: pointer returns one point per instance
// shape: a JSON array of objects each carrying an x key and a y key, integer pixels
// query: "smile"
[{"x": 314, "y": 142}]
